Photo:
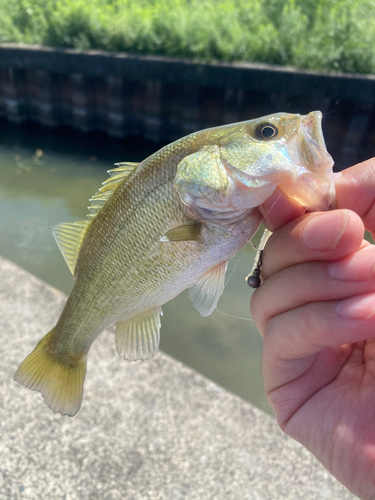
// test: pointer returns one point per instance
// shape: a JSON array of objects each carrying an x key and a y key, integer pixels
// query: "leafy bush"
[{"x": 330, "y": 35}]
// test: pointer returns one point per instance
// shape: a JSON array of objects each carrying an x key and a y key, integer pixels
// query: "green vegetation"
[{"x": 329, "y": 35}]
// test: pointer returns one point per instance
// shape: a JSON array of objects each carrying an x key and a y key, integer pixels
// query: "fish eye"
[{"x": 266, "y": 131}]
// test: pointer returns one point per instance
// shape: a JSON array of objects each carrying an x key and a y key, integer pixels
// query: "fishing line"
[
  {"x": 254, "y": 248},
  {"x": 332, "y": 111},
  {"x": 226, "y": 283},
  {"x": 249, "y": 242},
  {"x": 233, "y": 316},
  {"x": 235, "y": 265},
  {"x": 271, "y": 207},
  {"x": 231, "y": 274}
]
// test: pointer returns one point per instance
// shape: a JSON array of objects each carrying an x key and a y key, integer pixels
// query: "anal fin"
[
  {"x": 138, "y": 337},
  {"x": 206, "y": 291}
]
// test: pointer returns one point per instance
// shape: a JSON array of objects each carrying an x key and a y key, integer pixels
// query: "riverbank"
[{"x": 162, "y": 99}]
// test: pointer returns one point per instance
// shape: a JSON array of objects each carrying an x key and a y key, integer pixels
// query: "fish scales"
[
  {"x": 143, "y": 215},
  {"x": 171, "y": 223}
]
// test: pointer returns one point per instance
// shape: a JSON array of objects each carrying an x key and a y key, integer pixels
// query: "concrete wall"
[{"x": 162, "y": 98}]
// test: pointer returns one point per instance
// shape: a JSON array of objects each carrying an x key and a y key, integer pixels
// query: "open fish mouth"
[
  {"x": 307, "y": 149},
  {"x": 312, "y": 124},
  {"x": 314, "y": 151}
]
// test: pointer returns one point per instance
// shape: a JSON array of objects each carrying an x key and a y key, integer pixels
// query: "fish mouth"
[
  {"x": 241, "y": 172},
  {"x": 307, "y": 149},
  {"x": 312, "y": 124}
]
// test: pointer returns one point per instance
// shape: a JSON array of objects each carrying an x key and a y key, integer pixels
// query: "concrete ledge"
[{"x": 152, "y": 430}]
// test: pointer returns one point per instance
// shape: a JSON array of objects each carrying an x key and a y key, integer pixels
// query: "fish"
[{"x": 165, "y": 224}]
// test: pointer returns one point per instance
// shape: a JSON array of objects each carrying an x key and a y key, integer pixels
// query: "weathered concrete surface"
[{"x": 152, "y": 430}]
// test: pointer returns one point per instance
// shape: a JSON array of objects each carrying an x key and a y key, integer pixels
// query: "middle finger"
[{"x": 310, "y": 282}]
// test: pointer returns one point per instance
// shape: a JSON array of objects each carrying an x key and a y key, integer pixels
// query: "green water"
[{"x": 47, "y": 178}]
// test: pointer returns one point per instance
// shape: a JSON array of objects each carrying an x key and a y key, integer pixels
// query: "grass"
[{"x": 328, "y": 35}]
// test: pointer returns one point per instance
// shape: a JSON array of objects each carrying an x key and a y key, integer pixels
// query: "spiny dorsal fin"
[
  {"x": 117, "y": 175},
  {"x": 69, "y": 237},
  {"x": 206, "y": 291}
]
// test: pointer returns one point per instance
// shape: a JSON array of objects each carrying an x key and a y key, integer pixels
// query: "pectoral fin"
[
  {"x": 186, "y": 232},
  {"x": 206, "y": 292},
  {"x": 138, "y": 337}
]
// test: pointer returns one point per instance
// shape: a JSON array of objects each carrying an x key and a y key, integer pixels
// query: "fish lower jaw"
[{"x": 313, "y": 193}]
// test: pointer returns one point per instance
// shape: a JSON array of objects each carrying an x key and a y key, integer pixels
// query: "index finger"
[{"x": 313, "y": 237}]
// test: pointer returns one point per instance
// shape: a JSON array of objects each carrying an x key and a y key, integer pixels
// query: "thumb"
[{"x": 279, "y": 209}]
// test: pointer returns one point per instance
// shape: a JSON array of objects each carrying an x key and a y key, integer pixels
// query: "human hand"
[{"x": 316, "y": 312}]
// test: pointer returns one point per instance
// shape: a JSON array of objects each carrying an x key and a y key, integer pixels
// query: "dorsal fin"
[
  {"x": 117, "y": 175},
  {"x": 69, "y": 237}
]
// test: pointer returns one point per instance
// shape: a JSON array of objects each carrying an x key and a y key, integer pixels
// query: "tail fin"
[{"x": 61, "y": 384}]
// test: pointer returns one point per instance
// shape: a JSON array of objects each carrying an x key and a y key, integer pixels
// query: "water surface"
[{"x": 47, "y": 177}]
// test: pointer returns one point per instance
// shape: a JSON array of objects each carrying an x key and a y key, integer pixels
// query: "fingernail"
[
  {"x": 358, "y": 267},
  {"x": 324, "y": 232},
  {"x": 360, "y": 307}
]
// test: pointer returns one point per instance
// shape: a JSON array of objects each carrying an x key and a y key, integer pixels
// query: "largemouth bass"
[{"x": 170, "y": 222}]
